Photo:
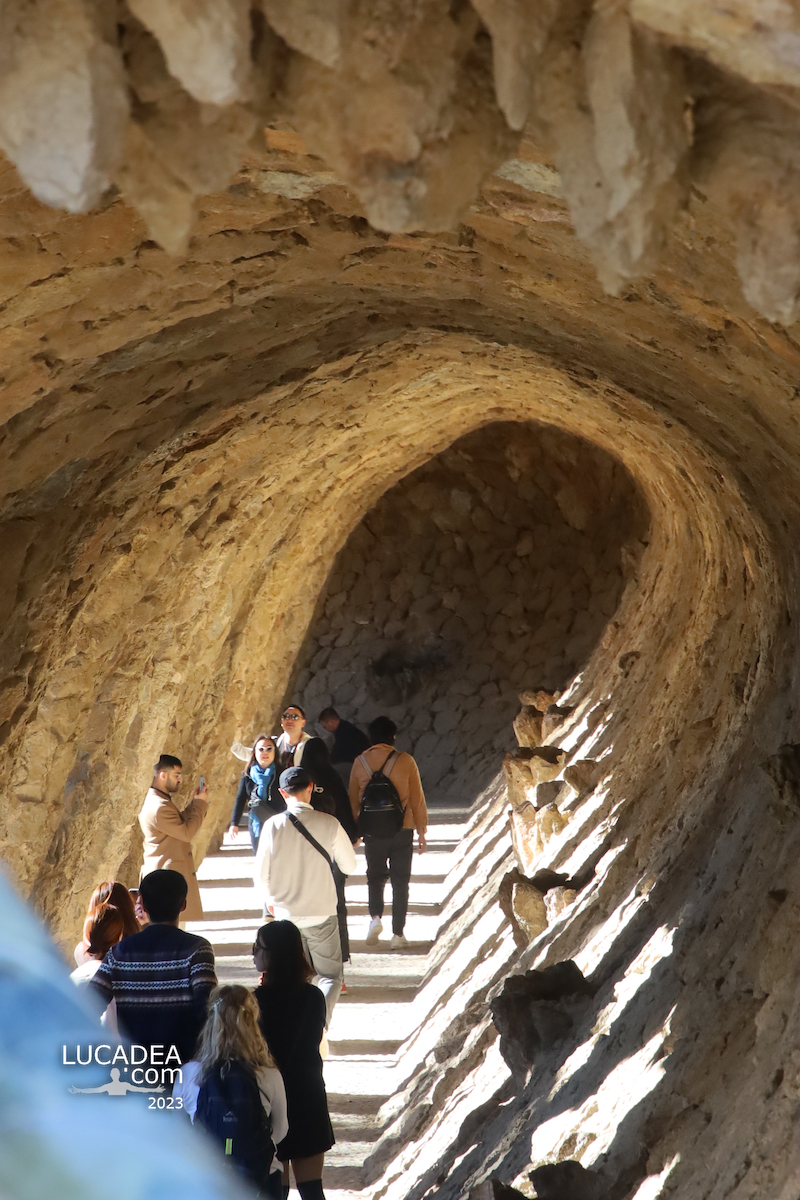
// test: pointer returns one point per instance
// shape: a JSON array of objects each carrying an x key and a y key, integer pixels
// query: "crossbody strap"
[{"x": 300, "y": 827}]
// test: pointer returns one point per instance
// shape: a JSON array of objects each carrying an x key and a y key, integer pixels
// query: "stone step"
[{"x": 375, "y": 1015}]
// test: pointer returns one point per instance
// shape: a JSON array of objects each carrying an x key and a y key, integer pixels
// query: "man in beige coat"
[{"x": 168, "y": 831}]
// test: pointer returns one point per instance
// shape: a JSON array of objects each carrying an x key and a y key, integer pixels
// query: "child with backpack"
[{"x": 234, "y": 1090}]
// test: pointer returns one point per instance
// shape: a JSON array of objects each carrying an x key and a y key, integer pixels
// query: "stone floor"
[{"x": 375, "y": 1016}]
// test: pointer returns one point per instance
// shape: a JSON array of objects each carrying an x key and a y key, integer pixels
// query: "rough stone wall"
[
  {"x": 583, "y": 1048},
  {"x": 498, "y": 562},
  {"x": 413, "y": 109},
  {"x": 188, "y": 442},
  {"x": 165, "y": 603}
]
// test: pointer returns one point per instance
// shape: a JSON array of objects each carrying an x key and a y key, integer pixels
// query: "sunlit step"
[{"x": 375, "y": 1016}]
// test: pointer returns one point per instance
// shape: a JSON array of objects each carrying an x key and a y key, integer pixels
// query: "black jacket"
[
  {"x": 317, "y": 762},
  {"x": 246, "y": 796},
  {"x": 348, "y": 743},
  {"x": 293, "y": 1021}
]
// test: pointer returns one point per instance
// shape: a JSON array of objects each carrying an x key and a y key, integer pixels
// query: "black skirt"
[{"x": 292, "y": 1022}]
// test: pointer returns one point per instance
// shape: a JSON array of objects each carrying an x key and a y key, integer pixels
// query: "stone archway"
[
  {"x": 220, "y": 542},
  {"x": 189, "y": 441},
  {"x": 495, "y": 564}
]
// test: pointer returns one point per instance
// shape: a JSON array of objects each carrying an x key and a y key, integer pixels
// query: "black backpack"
[
  {"x": 381, "y": 814},
  {"x": 229, "y": 1108}
]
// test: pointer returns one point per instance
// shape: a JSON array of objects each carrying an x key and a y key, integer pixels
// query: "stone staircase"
[{"x": 375, "y": 1016}]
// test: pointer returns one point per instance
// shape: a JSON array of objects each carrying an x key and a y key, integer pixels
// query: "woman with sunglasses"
[
  {"x": 296, "y": 748},
  {"x": 258, "y": 790},
  {"x": 291, "y": 743}
]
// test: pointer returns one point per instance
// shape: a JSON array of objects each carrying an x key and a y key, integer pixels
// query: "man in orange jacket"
[{"x": 390, "y": 857}]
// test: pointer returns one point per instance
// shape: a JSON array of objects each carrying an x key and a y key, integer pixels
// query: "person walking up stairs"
[{"x": 389, "y": 804}]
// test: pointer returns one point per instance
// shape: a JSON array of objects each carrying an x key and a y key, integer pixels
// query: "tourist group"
[{"x": 251, "y": 1070}]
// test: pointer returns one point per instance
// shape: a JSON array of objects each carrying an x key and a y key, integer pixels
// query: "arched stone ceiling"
[
  {"x": 160, "y": 599},
  {"x": 188, "y": 441},
  {"x": 166, "y": 602},
  {"x": 497, "y": 561}
]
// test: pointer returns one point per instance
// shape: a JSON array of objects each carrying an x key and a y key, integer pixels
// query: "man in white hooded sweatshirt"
[{"x": 294, "y": 878}]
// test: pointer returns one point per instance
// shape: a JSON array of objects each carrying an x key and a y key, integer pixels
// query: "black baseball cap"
[{"x": 294, "y": 779}]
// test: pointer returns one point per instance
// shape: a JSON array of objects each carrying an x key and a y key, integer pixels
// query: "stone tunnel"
[
  {"x": 463, "y": 387},
  {"x": 499, "y": 561}
]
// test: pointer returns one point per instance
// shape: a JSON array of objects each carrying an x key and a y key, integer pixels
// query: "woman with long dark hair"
[
  {"x": 258, "y": 790},
  {"x": 109, "y": 892},
  {"x": 102, "y": 929},
  {"x": 296, "y": 748},
  {"x": 293, "y": 1023},
  {"x": 233, "y": 1062}
]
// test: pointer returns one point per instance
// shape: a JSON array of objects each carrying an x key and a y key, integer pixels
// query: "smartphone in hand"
[{"x": 202, "y": 782}]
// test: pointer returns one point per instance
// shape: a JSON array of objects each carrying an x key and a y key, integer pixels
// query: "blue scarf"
[{"x": 262, "y": 779}]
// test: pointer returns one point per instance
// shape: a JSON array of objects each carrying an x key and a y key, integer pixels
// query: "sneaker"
[
  {"x": 374, "y": 931},
  {"x": 399, "y": 941}
]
